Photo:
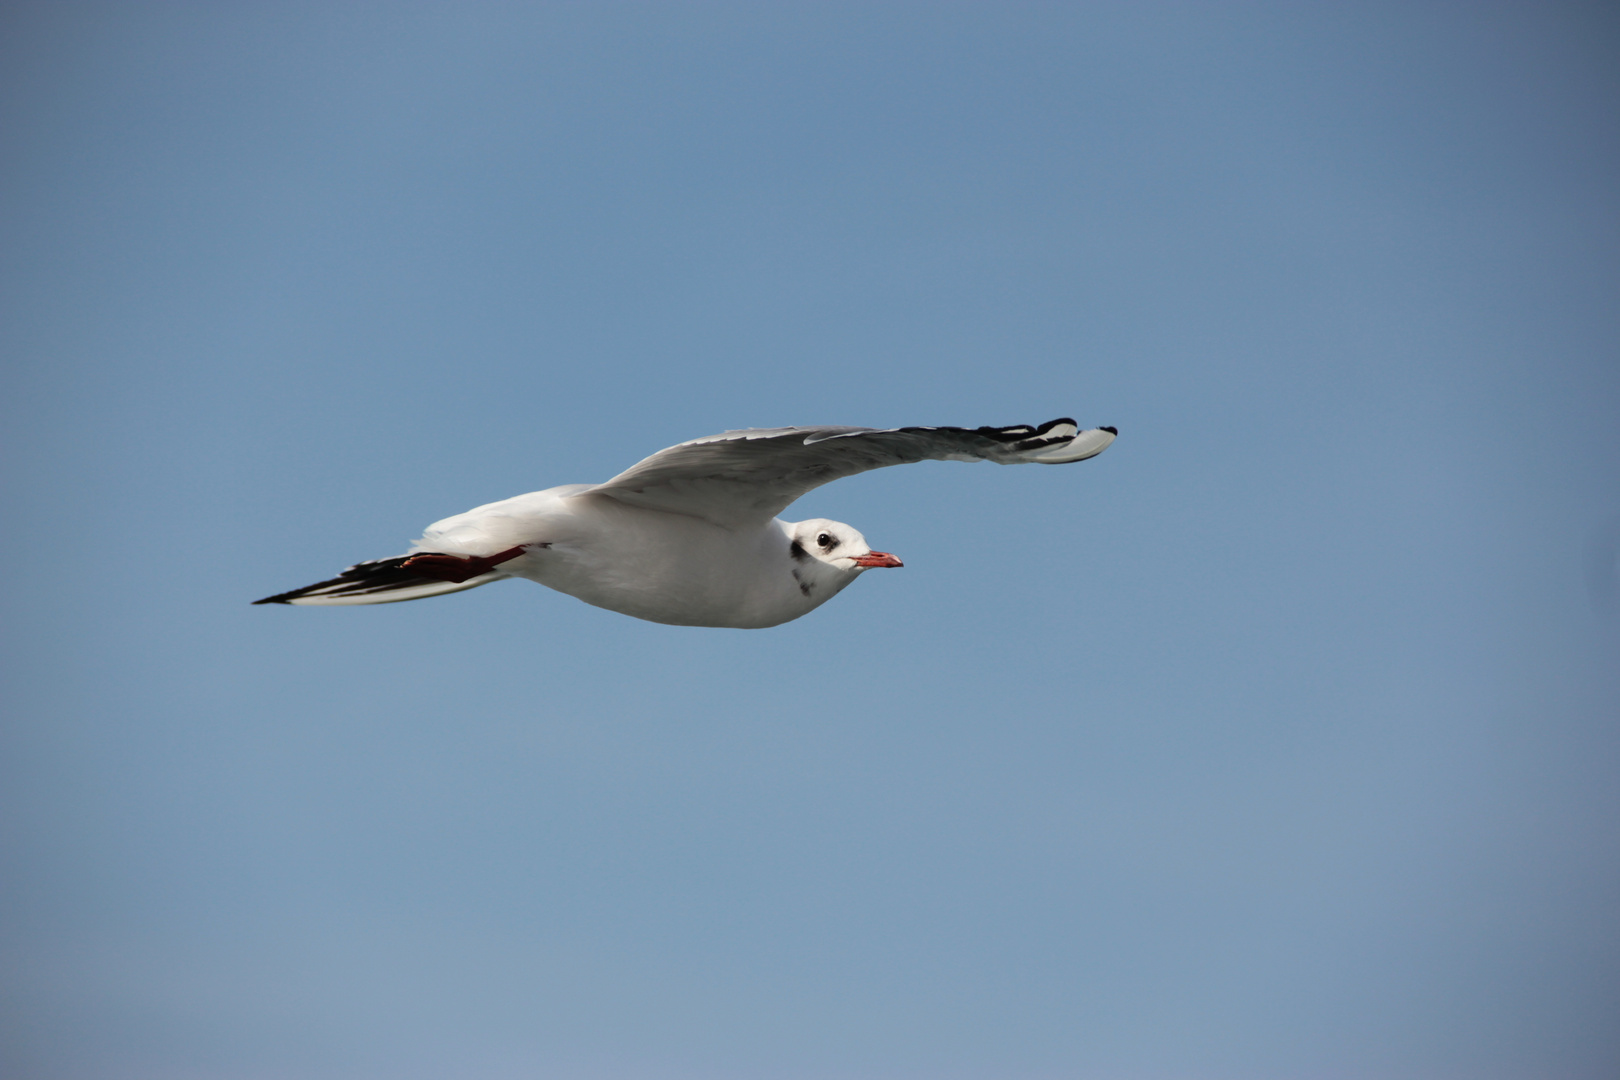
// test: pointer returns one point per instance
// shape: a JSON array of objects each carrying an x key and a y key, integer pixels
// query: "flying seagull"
[{"x": 690, "y": 536}]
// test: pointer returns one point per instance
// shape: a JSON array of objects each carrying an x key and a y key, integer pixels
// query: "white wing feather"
[{"x": 744, "y": 478}]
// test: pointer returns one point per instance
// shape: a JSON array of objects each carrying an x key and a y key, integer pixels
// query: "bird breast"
[{"x": 671, "y": 568}]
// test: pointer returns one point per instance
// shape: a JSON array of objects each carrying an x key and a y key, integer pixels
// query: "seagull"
[{"x": 690, "y": 536}]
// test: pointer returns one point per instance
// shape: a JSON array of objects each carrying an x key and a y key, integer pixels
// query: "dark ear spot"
[{"x": 798, "y": 552}]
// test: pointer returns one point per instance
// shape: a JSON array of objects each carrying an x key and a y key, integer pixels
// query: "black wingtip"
[
  {"x": 272, "y": 600},
  {"x": 1110, "y": 430}
]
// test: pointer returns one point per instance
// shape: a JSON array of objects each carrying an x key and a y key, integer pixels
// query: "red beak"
[{"x": 878, "y": 558}]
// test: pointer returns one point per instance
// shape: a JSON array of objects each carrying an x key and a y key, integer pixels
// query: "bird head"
[{"x": 832, "y": 544}]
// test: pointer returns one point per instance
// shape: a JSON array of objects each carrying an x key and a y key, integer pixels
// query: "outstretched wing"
[
  {"x": 743, "y": 478},
  {"x": 404, "y": 577}
]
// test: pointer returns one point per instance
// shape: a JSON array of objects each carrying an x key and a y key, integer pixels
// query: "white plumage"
[{"x": 690, "y": 535}]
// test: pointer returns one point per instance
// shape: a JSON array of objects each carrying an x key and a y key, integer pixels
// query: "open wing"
[{"x": 743, "y": 478}]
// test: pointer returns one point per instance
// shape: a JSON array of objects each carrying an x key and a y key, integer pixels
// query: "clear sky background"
[{"x": 1281, "y": 742}]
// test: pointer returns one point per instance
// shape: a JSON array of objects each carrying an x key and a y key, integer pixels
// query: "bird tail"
[{"x": 405, "y": 577}]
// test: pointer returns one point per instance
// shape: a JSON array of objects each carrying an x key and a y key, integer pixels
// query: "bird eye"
[{"x": 825, "y": 540}]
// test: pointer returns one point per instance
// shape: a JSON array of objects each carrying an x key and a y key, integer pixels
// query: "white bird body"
[
  {"x": 688, "y": 536},
  {"x": 650, "y": 564}
]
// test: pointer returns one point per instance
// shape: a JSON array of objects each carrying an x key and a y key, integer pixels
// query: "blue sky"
[{"x": 1280, "y": 741}]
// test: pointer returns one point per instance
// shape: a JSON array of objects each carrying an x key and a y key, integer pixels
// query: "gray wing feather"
[{"x": 742, "y": 478}]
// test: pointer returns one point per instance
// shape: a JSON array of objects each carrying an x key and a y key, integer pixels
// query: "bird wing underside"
[
  {"x": 382, "y": 581},
  {"x": 742, "y": 478}
]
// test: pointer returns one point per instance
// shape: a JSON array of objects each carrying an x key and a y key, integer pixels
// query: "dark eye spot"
[{"x": 826, "y": 541}]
